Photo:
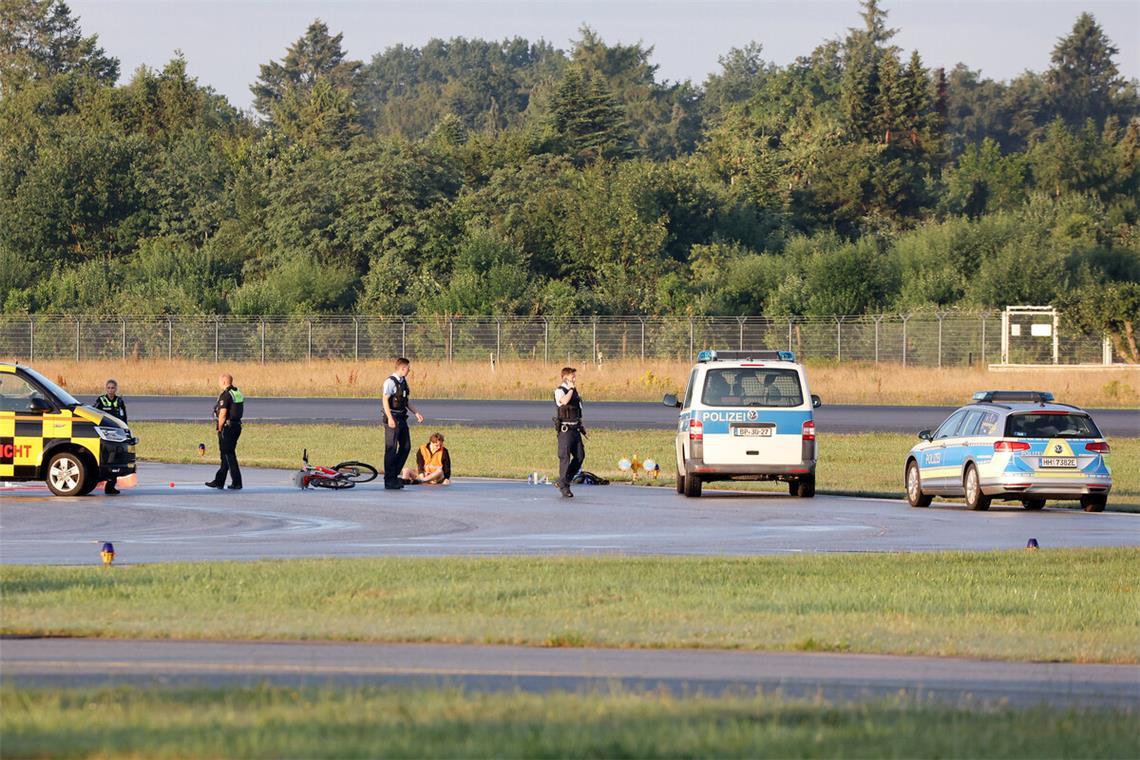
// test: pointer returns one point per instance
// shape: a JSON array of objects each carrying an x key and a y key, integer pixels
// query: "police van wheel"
[
  {"x": 805, "y": 487},
  {"x": 1033, "y": 504},
  {"x": 692, "y": 486},
  {"x": 66, "y": 474},
  {"x": 680, "y": 483}
]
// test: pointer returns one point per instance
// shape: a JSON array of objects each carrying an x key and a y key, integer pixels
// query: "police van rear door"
[{"x": 753, "y": 414}]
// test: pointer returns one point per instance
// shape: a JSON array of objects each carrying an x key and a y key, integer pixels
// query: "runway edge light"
[
  {"x": 107, "y": 553},
  {"x": 1031, "y": 545}
]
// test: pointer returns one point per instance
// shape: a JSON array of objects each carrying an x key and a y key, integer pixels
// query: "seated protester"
[{"x": 433, "y": 464}]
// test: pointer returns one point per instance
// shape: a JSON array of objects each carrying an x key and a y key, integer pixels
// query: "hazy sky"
[{"x": 225, "y": 41}]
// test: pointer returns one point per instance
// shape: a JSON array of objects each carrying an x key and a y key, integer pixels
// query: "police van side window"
[
  {"x": 689, "y": 389},
  {"x": 16, "y": 393}
]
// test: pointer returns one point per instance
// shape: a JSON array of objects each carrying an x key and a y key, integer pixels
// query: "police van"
[
  {"x": 46, "y": 434},
  {"x": 746, "y": 415}
]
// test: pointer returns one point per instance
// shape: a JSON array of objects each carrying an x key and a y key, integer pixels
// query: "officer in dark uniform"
[
  {"x": 228, "y": 410},
  {"x": 397, "y": 439},
  {"x": 112, "y": 404},
  {"x": 568, "y": 423}
]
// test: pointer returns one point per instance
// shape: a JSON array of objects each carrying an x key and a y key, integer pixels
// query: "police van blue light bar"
[
  {"x": 1031, "y": 397},
  {"x": 711, "y": 356}
]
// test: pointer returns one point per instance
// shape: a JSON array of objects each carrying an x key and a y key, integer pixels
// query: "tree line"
[{"x": 511, "y": 177}]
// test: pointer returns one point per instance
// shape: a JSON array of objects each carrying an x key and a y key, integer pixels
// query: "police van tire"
[
  {"x": 692, "y": 486},
  {"x": 805, "y": 487},
  {"x": 680, "y": 483},
  {"x": 67, "y": 474}
]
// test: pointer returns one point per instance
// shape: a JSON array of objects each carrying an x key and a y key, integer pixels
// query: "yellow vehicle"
[{"x": 46, "y": 434}]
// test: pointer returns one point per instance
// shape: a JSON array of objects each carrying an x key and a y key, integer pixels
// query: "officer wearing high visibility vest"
[
  {"x": 228, "y": 410},
  {"x": 397, "y": 440},
  {"x": 113, "y": 404},
  {"x": 568, "y": 423}
]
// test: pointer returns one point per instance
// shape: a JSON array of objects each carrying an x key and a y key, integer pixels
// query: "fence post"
[
  {"x": 839, "y": 339},
  {"x": 498, "y": 340},
  {"x": 31, "y": 339},
  {"x": 905, "y": 319},
  {"x": 983, "y": 352},
  {"x": 789, "y": 333},
  {"x": 740, "y": 320},
  {"x": 262, "y": 320},
  {"x": 78, "y": 331},
  {"x": 403, "y": 336},
  {"x": 878, "y": 319},
  {"x": 310, "y": 323},
  {"x": 941, "y": 316},
  {"x": 169, "y": 338},
  {"x": 594, "y": 349},
  {"x": 217, "y": 332},
  {"x": 545, "y": 340},
  {"x": 124, "y": 338},
  {"x": 692, "y": 335},
  {"x": 642, "y": 321},
  {"x": 450, "y": 339},
  {"x": 356, "y": 339}
]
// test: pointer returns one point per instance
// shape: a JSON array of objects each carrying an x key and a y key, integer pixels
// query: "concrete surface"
[{"x": 272, "y": 518}]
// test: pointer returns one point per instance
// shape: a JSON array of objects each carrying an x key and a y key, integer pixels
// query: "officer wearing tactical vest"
[
  {"x": 228, "y": 410},
  {"x": 568, "y": 423},
  {"x": 397, "y": 440},
  {"x": 112, "y": 404}
]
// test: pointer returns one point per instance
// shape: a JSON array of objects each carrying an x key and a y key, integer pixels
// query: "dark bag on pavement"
[{"x": 589, "y": 479}]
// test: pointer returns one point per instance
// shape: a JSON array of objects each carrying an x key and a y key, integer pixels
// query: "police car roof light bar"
[
  {"x": 760, "y": 354},
  {"x": 1032, "y": 397}
]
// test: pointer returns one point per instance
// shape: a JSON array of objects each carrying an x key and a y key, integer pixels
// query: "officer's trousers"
[
  {"x": 571, "y": 453},
  {"x": 227, "y": 447},
  {"x": 397, "y": 446}
]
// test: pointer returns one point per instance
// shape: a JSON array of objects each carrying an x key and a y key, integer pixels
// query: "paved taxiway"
[
  {"x": 91, "y": 662},
  {"x": 602, "y": 414},
  {"x": 272, "y": 518}
]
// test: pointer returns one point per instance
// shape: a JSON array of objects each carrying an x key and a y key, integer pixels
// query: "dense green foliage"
[{"x": 471, "y": 177}]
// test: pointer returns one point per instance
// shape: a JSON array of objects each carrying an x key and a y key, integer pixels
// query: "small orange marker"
[{"x": 172, "y": 484}]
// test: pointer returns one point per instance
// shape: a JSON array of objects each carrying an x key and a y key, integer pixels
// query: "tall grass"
[{"x": 614, "y": 381}]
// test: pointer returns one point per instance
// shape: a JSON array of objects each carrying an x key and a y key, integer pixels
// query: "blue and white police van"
[{"x": 746, "y": 415}]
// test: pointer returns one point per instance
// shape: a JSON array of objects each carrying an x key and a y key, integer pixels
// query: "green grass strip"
[
  {"x": 1063, "y": 605},
  {"x": 373, "y": 722},
  {"x": 869, "y": 464}
]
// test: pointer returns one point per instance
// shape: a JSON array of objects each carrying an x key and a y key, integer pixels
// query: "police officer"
[
  {"x": 112, "y": 404},
  {"x": 228, "y": 410},
  {"x": 568, "y": 423},
  {"x": 397, "y": 440}
]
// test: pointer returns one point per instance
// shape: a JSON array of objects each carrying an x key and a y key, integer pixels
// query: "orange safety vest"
[{"x": 433, "y": 463}]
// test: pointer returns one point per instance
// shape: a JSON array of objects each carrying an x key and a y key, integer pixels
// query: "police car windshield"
[
  {"x": 1050, "y": 425},
  {"x": 64, "y": 397},
  {"x": 752, "y": 386}
]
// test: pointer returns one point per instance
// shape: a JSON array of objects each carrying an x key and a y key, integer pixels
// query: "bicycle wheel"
[
  {"x": 357, "y": 472},
  {"x": 335, "y": 483}
]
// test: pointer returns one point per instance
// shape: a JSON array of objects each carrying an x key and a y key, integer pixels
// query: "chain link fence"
[{"x": 930, "y": 340}]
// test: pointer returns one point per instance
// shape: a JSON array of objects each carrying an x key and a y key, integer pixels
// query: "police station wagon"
[
  {"x": 46, "y": 434},
  {"x": 746, "y": 415},
  {"x": 1015, "y": 445}
]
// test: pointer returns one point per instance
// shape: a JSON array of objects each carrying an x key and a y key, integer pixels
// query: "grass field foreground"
[
  {"x": 849, "y": 383},
  {"x": 1053, "y": 605},
  {"x": 869, "y": 464},
  {"x": 369, "y": 722}
]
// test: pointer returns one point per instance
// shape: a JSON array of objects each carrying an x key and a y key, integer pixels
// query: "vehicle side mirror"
[
  {"x": 37, "y": 404},
  {"x": 816, "y": 403},
  {"x": 671, "y": 400},
  {"x": 925, "y": 435}
]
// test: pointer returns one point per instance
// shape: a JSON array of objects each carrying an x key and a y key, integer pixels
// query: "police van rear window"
[
  {"x": 1050, "y": 425},
  {"x": 752, "y": 386}
]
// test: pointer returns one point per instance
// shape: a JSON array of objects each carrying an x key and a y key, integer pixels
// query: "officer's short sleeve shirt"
[{"x": 389, "y": 387}]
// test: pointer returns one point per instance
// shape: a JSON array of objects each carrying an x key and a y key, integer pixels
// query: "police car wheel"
[
  {"x": 66, "y": 474},
  {"x": 914, "y": 495},
  {"x": 692, "y": 486},
  {"x": 1033, "y": 504},
  {"x": 1094, "y": 503},
  {"x": 975, "y": 499}
]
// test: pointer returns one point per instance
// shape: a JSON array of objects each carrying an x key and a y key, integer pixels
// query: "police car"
[
  {"x": 1017, "y": 445},
  {"x": 746, "y": 415},
  {"x": 45, "y": 434}
]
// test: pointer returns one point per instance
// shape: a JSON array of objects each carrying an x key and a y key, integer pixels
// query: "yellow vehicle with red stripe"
[{"x": 46, "y": 434}]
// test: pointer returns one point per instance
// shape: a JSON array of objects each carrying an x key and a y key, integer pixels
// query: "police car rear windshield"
[
  {"x": 1054, "y": 425},
  {"x": 64, "y": 397},
  {"x": 752, "y": 386}
]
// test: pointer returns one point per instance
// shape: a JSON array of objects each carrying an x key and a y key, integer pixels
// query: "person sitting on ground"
[{"x": 433, "y": 464}]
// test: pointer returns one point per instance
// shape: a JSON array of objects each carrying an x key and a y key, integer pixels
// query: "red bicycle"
[{"x": 343, "y": 475}]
